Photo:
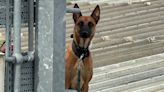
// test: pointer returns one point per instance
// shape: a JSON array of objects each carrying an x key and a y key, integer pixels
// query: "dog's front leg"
[
  {"x": 85, "y": 87},
  {"x": 67, "y": 80},
  {"x": 67, "y": 77}
]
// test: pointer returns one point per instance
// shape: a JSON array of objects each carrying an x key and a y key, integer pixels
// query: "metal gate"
[
  {"x": 42, "y": 71},
  {"x": 19, "y": 76}
]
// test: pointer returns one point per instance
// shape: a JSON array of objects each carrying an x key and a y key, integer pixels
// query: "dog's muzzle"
[{"x": 85, "y": 31}]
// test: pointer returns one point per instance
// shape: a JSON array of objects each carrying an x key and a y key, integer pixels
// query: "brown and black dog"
[{"x": 84, "y": 30}]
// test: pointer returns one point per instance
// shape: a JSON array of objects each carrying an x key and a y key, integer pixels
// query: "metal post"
[
  {"x": 30, "y": 25},
  {"x": 50, "y": 46},
  {"x": 17, "y": 44},
  {"x": 59, "y": 45},
  {"x": 8, "y": 29},
  {"x": 17, "y": 26},
  {"x": 8, "y": 66}
]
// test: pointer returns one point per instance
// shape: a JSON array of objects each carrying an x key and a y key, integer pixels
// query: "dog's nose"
[{"x": 84, "y": 34}]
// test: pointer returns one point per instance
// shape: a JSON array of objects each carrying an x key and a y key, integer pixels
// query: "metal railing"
[{"x": 15, "y": 60}]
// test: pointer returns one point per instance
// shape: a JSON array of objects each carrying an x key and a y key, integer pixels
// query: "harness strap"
[
  {"x": 79, "y": 73},
  {"x": 80, "y": 50}
]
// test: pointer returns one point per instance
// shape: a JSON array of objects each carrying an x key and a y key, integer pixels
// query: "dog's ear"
[
  {"x": 76, "y": 15},
  {"x": 96, "y": 14}
]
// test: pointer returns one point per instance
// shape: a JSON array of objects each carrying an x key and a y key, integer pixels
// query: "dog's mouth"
[{"x": 84, "y": 42}]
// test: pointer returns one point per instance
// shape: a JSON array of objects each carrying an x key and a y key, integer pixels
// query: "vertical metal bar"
[
  {"x": 36, "y": 77},
  {"x": 17, "y": 43},
  {"x": 50, "y": 39},
  {"x": 8, "y": 29},
  {"x": 17, "y": 78},
  {"x": 17, "y": 26},
  {"x": 59, "y": 30},
  {"x": 8, "y": 66},
  {"x": 30, "y": 38},
  {"x": 30, "y": 24},
  {"x": 44, "y": 75}
]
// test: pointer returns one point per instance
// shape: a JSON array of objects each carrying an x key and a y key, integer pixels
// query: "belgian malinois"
[{"x": 84, "y": 30}]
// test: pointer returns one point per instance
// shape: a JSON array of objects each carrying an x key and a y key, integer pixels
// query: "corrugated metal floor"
[
  {"x": 125, "y": 32},
  {"x": 131, "y": 38}
]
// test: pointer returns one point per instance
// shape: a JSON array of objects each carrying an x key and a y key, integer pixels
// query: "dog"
[{"x": 84, "y": 30}]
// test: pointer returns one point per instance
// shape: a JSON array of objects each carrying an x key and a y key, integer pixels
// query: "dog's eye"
[
  {"x": 81, "y": 23},
  {"x": 90, "y": 24}
]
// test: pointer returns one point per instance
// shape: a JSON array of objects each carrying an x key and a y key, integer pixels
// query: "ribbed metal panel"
[
  {"x": 24, "y": 13},
  {"x": 27, "y": 77}
]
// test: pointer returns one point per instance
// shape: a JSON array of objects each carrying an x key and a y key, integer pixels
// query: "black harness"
[{"x": 80, "y": 50}]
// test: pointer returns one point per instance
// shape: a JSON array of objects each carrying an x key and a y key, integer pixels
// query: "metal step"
[
  {"x": 148, "y": 87},
  {"x": 125, "y": 87},
  {"x": 134, "y": 62},
  {"x": 126, "y": 79},
  {"x": 161, "y": 90},
  {"x": 148, "y": 69}
]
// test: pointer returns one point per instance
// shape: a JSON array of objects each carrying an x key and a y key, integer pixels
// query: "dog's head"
[{"x": 84, "y": 29}]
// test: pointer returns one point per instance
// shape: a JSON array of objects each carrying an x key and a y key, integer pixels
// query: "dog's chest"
[
  {"x": 83, "y": 70},
  {"x": 74, "y": 74}
]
